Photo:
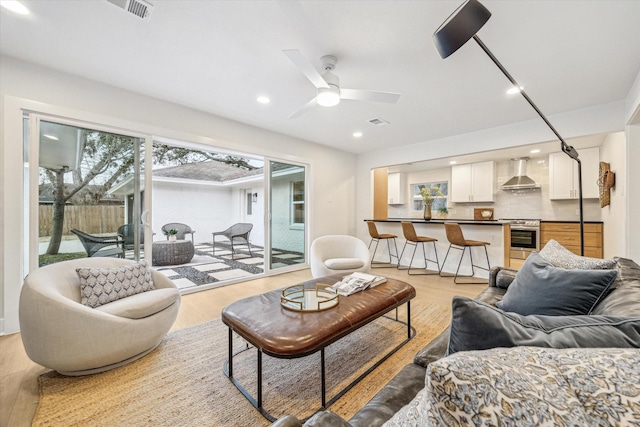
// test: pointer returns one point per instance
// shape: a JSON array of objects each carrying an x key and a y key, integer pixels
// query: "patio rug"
[{"x": 182, "y": 383}]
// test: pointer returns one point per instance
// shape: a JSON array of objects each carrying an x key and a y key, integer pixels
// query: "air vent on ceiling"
[
  {"x": 378, "y": 122},
  {"x": 140, "y": 8}
]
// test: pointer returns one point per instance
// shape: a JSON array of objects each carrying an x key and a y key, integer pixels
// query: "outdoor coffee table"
[
  {"x": 286, "y": 334},
  {"x": 171, "y": 252}
]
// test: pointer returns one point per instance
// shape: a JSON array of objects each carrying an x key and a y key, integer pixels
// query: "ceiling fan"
[{"x": 328, "y": 84}]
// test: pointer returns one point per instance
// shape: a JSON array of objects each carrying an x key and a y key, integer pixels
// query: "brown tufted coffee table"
[{"x": 286, "y": 334}]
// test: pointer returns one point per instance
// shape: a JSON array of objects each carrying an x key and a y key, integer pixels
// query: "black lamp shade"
[{"x": 462, "y": 25}]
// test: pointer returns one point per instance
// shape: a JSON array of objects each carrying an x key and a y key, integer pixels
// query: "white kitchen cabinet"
[
  {"x": 472, "y": 183},
  {"x": 563, "y": 175},
  {"x": 397, "y": 187}
]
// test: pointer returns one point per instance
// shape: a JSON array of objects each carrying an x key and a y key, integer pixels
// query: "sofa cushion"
[
  {"x": 99, "y": 286},
  {"x": 624, "y": 299},
  {"x": 478, "y": 326},
  {"x": 541, "y": 288},
  {"x": 143, "y": 304},
  {"x": 562, "y": 257},
  {"x": 344, "y": 263},
  {"x": 528, "y": 386}
]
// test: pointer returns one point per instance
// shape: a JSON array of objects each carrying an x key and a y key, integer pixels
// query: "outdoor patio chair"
[
  {"x": 125, "y": 232},
  {"x": 237, "y": 234},
  {"x": 182, "y": 230},
  {"x": 100, "y": 246}
]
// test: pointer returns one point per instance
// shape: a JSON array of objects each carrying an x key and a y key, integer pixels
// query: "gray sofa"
[{"x": 613, "y": 322}]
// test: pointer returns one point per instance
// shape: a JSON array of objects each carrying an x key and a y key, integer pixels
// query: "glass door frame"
[
  {"x": 268, "y": 217},
  {"x": 32, "y": 231}
]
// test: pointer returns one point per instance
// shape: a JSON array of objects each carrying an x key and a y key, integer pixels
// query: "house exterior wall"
[
  {"x": 285, "y": 235},
  {"x": 204, "y": 208}
]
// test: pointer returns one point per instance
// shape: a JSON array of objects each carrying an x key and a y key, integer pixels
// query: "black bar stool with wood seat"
[
  {"x": 457, "y": 241},
  {"x": 375, "y": 236},
  {"x": 413, "y": 239}
]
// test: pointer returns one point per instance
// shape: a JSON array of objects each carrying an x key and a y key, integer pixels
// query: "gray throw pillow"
[
  {"x": 541, "y": 288},
  {"x": 476, "y": 325},
  {"x": 99, "y": 286},
  {"x": 560, "y": 256}
]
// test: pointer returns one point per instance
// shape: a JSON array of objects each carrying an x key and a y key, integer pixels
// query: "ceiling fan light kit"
[
  {"x": 327, "y": 85},
  {"x": 328, "y": 97}
]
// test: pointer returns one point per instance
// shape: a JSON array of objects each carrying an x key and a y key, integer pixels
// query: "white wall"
[
  {"x": 613, "y": 151},
  {"x": 26, "y": 85},
  {"x": 205, "y": 208}
]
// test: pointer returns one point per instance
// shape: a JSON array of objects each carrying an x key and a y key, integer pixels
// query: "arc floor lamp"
[{"x": 460, "y": 27}]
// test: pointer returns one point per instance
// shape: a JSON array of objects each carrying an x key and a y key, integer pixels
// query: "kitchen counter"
[
  {"x": 495, "y": 232},
  {"x": 442, "y": 221}
]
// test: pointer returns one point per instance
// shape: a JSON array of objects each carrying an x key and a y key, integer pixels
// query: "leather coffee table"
[{"x": 282, "y": 333}]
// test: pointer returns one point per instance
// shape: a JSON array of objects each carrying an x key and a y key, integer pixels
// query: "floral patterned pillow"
[
  {"x": 562, "y": 257},
  {"x": 99, "y": 286}
]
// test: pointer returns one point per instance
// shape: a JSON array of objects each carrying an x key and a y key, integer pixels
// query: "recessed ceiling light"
[
  {"x": 513, "y": 90},
  {"x": 452, "y": 162},
  {"x": 263, "y": 100},
  {"x": 535, "y": 151},
  {"x": 357, "y": 134},
  {"x": 52, "y": 137},
  {"x": 15, "y": 7}
]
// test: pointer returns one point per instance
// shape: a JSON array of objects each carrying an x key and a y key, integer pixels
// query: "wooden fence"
[{"x": 92, "y": 219}]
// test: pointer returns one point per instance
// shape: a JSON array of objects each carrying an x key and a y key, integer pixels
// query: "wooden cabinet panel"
[{"x": 568, "y": 235}]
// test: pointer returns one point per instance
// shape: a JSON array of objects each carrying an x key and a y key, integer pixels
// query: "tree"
[{"x": 105, "y": 158}]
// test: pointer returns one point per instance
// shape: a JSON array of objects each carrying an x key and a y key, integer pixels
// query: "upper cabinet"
[
  {"x": 472, "y": 183},
  {"x": 563, "y": 175},
  {"x": 397, "y": 188}
]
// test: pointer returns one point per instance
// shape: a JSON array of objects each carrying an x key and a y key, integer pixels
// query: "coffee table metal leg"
[
  {"x": 259, "y": 379},
  {"x": 408, "y": 320},
  {"x": 230, "y": 363},
  {"x": 323, "y": 376}
]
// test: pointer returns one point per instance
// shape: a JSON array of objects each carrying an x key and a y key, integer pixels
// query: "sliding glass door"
[
  {"x": 74, "y": 210},
  {"x": 287, "y": 214}
]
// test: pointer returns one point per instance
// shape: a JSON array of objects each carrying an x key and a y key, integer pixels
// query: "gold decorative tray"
[{"x": 297, "y": 298}]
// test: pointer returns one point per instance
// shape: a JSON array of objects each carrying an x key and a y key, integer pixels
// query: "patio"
[{"x": 206, "y": 269}]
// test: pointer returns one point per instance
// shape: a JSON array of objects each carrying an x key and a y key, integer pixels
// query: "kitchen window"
[{"x": 438, "y": 202}]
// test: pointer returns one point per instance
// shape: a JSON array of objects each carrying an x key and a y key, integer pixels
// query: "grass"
[{"x": 52, "y": 259}]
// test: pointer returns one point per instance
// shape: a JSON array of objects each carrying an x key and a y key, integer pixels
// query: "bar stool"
[
  {"x": 413, "y": 239},
  {"x": 457, "y": 241},
  {"x": 373, "y": 232}
]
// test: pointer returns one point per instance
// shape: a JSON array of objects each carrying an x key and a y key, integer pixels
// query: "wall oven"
[{"x": 525, "y": 237}]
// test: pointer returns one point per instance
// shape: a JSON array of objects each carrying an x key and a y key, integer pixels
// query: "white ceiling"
[{"x": 218, "y": 56}]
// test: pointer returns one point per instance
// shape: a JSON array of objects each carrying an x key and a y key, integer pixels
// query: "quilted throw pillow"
[
  {"x": 99, "y": 286},
  {"x": 562, "y": 257}
]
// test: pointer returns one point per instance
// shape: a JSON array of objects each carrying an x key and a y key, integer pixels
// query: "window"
[
  {"x": 249, "y": 203},
  {"x": 438, "y": 202},
  {"x": 297, "y": 190}
]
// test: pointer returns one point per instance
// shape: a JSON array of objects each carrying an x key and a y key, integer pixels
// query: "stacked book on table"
[{"x": 356, "y": 282}]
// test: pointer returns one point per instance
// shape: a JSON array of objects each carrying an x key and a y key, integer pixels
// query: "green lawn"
[{"x": 52, "y": 259}]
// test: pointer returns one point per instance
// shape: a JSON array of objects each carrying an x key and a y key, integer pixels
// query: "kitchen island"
[{"x": 495, "y": 232}]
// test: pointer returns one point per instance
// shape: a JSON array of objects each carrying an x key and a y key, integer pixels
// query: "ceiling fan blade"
[
  {"x": 368, "y": 95},
  {"x": 306, "y": 68},
  {"x": 306, "y": 107}
]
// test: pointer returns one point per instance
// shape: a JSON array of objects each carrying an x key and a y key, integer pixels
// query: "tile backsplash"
[{"x": 515, "y": 204}]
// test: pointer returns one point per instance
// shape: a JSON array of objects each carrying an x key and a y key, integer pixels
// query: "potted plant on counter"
[
  {"x": 443, "y": 211},
  {"x": 428, "y": 194}
]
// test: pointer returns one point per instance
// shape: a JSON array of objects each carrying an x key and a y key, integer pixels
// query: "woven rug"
[{"x": 182, "y": 383}]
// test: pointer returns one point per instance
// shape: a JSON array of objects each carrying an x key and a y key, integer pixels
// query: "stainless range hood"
[{"x": 520, "y": 180}]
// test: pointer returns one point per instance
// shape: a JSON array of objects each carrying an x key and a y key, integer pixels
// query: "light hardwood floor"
[{"x": 18, "y": 375}]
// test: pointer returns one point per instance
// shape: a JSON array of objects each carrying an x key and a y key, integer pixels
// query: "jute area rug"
[{"x": 181, "y": 383}]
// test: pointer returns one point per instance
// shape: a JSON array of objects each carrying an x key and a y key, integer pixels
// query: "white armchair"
[
  {"x": 336, "y": 254},
  {"x": 60, "y": 333}
]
